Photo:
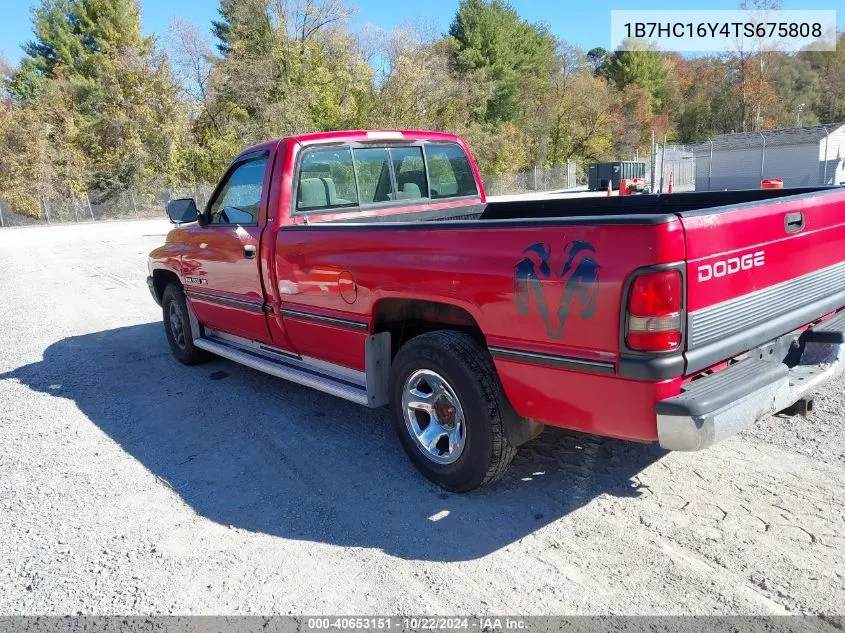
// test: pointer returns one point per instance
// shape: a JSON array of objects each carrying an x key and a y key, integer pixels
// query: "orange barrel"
[{"x": 771, "y": 183}]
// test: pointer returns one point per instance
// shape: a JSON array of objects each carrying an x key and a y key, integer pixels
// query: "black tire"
[
  {"x": 468, "y": 369},
  {"x": 181, "y": 342}
]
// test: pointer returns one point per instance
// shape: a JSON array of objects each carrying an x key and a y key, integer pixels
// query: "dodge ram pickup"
[{"x": 369, "y": 265}]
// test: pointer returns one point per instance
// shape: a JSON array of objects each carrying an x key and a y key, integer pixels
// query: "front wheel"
[
  {"x": 177, "y": 327},
  {"x": 449, "y": 410}
]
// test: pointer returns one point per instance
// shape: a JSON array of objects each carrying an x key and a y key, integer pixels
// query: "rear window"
[
  {"x": 449, "y": 173},
  {"x": 343, "y": 177},
  {"x": 326, "y": 180}
]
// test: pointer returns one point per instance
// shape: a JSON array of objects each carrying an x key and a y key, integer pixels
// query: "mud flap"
[{"x": 520, "y": 430}]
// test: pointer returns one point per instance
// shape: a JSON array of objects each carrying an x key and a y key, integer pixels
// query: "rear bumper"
[
  {"x": 153, "y": 290},
  {"x": 714, "y": 408}
]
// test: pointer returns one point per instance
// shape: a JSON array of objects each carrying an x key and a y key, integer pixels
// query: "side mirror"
[{"x": 182, "y": 210}]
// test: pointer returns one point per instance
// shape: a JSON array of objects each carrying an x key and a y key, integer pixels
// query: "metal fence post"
[
  {"x": 46, "y": 210},
  {"x": 90, "y": 210},
  {"x": 762, "y": 155},
  {"x": 653, "y": 161},
  {"x": 1, "y": 214},
  {"x": 710, "y": 166},
  {"x": 824, "y": 160},
  {"x": 662, "y": 162},
  {"x": 132, "y": 198},
  {"x": 75, "y": 211}
]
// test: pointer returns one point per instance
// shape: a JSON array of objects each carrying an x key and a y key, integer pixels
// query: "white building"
[{"x": 803, "y": 156}]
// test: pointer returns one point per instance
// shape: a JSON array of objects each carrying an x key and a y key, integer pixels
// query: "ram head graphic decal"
[{"x": 555, "y": 284}]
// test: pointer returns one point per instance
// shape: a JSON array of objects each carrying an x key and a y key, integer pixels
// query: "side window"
[
  {"x": 448, "y": 171},
  {"x": 373, "y": 167},
  {"x": 326, "y": 180},
  {"x": 238, "y": 200},
  {"x": 409, "y": 167}
]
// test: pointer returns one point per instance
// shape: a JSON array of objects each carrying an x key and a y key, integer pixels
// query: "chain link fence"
[
  {"x": 135, "y": 204},
  {"x": 100, "y": 207},
  {"x": 673, "y": 164},
  {"x": 538, "y": 179},
  {"x": 800, "y": 157}
]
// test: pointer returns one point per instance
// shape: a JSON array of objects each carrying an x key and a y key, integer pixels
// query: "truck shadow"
[{"x": 248, "y": 450}]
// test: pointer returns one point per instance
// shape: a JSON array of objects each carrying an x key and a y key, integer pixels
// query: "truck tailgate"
[{"x": 758, "y": 270}]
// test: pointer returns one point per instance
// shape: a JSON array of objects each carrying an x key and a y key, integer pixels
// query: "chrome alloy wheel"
[
  {"x": 434, "y": 417},
  {"x": 177, "y": 327}
]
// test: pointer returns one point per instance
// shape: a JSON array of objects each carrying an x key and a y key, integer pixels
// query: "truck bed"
[
  {"x": 604, "y": 209},
  {"x": 638, "y": 204}
]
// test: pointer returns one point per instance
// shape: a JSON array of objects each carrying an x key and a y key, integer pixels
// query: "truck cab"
[{"x": 327, "y": 177}]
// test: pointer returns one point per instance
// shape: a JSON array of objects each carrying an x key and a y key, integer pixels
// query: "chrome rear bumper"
[{"x": 714, "y": 408}]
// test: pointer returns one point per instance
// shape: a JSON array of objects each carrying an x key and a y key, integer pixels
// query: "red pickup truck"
[{"x": 370, "y": 266}]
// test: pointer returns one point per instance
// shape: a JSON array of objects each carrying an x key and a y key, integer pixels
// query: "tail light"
[{"x": 655, "y": 304}]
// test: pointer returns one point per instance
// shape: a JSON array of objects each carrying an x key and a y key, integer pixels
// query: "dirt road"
[{"x": 131, "y": 484}]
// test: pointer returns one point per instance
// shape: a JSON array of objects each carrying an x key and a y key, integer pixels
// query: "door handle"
[{"x": 249, "y": 251}]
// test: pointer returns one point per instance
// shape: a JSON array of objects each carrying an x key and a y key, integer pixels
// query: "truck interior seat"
[
  {"x": 410, "y": 191},
  {"x": 312, "y": 193},
  {"x": 414, "y": 178},
  {"x": 318, "y": 192}
]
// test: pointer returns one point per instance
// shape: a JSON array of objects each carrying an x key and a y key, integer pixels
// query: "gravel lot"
[{"x": 130, "y": 484}]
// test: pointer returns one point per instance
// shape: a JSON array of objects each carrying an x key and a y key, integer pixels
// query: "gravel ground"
[{"x": 130, "y": 484}]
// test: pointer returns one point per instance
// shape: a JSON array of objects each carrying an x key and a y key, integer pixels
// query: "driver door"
[{"x": 221, "y": 270}]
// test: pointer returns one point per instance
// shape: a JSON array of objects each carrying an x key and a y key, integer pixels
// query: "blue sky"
[{"x": 576, "y": 21}]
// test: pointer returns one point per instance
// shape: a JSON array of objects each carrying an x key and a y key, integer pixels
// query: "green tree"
[
  {"x": 515, "y": 60},
  {"x": 419, "y": 89},
  {"x": 639, "y": 65},
  {"x": 105, "y": 90},
  {"x": 596, "y": 58},
  {"x": 222, "y": 28},
  {"x": 829, "y": 66},
  {"x": 290, "y": 67},
  {"x": 22, "y": 155},
  {"x": 581, "y": 116},
  {"x": 25, "y": 83}
]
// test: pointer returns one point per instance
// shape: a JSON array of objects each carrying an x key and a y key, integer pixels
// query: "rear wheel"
[
  {"x": 449, "y": 410},
  {"x": 177, "y": 327}
]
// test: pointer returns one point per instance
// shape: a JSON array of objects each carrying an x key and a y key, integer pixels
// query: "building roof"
[{"x": 787, "y": 136}]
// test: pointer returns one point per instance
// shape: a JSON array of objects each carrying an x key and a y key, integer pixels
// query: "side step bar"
[{"x": 368, "y": 388}]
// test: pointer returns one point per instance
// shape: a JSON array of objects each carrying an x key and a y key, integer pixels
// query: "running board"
[{"x": 368, "y": 388}]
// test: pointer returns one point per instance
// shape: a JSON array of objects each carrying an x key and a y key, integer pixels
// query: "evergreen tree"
[
  {"x": 222, "y": 28},
  {"x": 117, "y": 91},
  {"x": 513, "y": 58},
  {"x": 640, "y": 65}
]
